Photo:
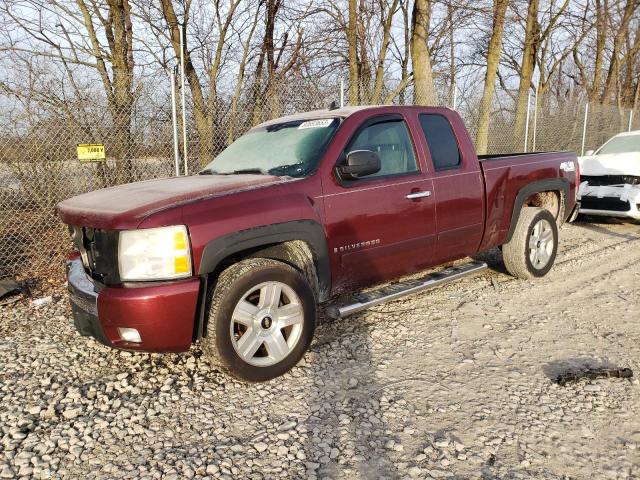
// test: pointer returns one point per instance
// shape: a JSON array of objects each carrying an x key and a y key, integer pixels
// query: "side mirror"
[
  {"x": 588, "y": 153},
  {"x": 360, "y": 163}
]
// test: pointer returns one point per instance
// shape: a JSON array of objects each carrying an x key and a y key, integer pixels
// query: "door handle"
[{"x": 414, "y": 195}]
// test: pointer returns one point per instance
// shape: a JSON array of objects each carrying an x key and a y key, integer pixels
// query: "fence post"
[
  {"x": 341, "y": 92},
  {"x": 584, "y": 127},
  {"x": 184, "y": 109},
  {"x": 455, "y": 95},
  {"x": 630, "y": 119},
  {"x": 174, "y": 121},
  {"x": 526, "y": 125},
  {"x": 535, "y": 119}
]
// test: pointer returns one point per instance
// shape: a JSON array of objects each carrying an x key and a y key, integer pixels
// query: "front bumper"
[
  {"x": 163, "y": 313},
  {"x": 610, "y": 200}
]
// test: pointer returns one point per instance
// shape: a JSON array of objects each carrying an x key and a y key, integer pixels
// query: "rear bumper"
[{"x": 163, "y": 314}]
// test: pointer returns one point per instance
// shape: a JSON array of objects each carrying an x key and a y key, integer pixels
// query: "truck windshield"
[
  {"x": 622, "y": 144},
  {"x": 284, "y": 149}
]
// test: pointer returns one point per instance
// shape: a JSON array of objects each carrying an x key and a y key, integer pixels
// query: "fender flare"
[
  {"x": 308, "y": 231},
  {"x": 550, "y": 184}
]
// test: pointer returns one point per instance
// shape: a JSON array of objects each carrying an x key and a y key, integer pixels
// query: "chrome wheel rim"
[
  {"x": 541, "y": 244},
  {"x": 266, "y": 324}
]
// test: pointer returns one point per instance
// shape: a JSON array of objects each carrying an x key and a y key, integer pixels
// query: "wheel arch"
[
  {"x": 301, "y": 244},
  {"x": 534, "y": 194}
]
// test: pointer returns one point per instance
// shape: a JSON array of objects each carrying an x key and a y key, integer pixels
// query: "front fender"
[{"x": 308, "y": 231}]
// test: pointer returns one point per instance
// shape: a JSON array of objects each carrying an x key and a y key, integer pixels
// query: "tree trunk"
[
  {"x": 618, "y": 41},
  {"x": 119, "y": 35},
  {"x": 352, "y": 43},
  {"x": 404, "y": 67},
  {"x": 527, "y": 66},
  {"x": 424, "y": 92},
  {"x": 493, "y": 61},
  {"x": 452, "y": 58},
  {"x": 200, "y": 113},
  {"x": 386, "y": 38},
  {"x": 593, "y": 91},
  {"x": 240, "y": 80}
]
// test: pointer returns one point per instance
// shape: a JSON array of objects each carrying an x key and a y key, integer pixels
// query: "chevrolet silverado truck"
[{"x": 298, "y": 213}]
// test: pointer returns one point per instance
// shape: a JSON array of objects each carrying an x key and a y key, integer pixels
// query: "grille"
[
  {"x": 610, "y": 180},
  {"x": 99, "y": 250},
  {"x": 606, "y": 203}
]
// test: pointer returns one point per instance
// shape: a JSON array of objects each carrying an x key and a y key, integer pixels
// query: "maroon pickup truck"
[{"x": 294, "y": 213}]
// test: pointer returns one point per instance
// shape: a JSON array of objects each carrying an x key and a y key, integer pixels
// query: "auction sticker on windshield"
[
  {"x": 322, "y": 123},
  {"x": 91, "y": 152}
]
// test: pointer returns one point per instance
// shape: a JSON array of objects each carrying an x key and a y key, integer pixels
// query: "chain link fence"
[{"x": 39, "y": 165}]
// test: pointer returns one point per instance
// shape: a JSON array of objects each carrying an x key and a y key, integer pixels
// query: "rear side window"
[{"x": 442, "y": 143}]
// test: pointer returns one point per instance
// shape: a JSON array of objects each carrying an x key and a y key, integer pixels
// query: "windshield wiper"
[
  {"x": 248, "y": 171},
  {"x": 242, "y": 171}
]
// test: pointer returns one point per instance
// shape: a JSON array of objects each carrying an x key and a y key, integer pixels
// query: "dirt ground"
[{"x": 452, "y": 383}]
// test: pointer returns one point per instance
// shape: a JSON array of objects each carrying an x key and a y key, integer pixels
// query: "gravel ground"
[{"x": 454, "y": 383}]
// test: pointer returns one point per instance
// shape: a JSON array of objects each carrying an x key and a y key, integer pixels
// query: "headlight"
[{"x": 154, "y": 254}]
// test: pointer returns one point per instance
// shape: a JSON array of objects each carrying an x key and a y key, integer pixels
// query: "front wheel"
[
  {"x": 532, "y": 249},
  {"x": 261, "y": 319}
]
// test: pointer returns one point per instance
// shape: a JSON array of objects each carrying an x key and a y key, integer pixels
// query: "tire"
[
  {"x": 523, "y": 260},
  {"x": 277, "y": 331}
]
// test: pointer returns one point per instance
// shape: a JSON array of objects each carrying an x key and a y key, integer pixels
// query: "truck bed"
[{"x": 510, "y": 176}]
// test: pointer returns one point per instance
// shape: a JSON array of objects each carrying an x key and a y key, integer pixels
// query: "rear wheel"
[
  {"x": 261, "y": 319},
  {"x": 532, "y": 249}
]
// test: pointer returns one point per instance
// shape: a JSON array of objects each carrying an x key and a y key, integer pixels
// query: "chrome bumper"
[
  {"x": 82, "y": 290},
  {"x": 83, "y": 296}
]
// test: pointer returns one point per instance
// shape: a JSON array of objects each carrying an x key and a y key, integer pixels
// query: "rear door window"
[{"x": 441, "y": 141}]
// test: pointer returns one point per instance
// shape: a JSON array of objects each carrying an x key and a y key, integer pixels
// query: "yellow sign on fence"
[{"x": 91, "y": 152}]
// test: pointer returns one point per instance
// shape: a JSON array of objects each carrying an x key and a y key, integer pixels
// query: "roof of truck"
[{"x": 327, "y": 113}]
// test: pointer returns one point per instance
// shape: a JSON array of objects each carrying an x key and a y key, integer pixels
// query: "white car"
[{"x": 610, "y": 178}]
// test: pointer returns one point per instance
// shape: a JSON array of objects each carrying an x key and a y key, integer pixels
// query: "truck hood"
[
  {"x": 612, "y": 164},
  {"x": 125, "y": 206}
]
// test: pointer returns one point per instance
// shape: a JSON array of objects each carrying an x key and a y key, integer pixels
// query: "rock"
[
  {"x": 260, "y": 446},
  {"x": 212, "y": 469},
  {"x": 72, "y": 413},
  {"x": 287, "y": 426},
  {"x": 7, "y": 472},
  {"x": 35, "y": 410},
  {"x": 441, "y": 442},
  {"x": 415, "y": 472}
]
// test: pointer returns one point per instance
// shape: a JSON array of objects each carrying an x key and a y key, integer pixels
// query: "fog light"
[{"x": 129, "y": 335}]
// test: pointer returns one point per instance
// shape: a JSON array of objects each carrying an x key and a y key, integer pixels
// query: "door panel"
[
  {"x": 375, "y": 232},
  {"x": 460, "y": 214},
  {"x": 458, "y": 188}
]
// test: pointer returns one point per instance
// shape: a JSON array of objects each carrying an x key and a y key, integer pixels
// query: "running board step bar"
[{"x": 402, "y": 289}]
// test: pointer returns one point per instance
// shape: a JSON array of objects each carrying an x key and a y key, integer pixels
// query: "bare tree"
[
  {"x": 84, "y": 35},
  {"x": 352, "y": 42},
  {"x": 424, "y": 91},
  {"x": 494, "y": 50},
  {"x": 631, "y": 7}
]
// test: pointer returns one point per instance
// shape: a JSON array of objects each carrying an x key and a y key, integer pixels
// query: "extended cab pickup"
[{"x": 295, "y": 212}]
